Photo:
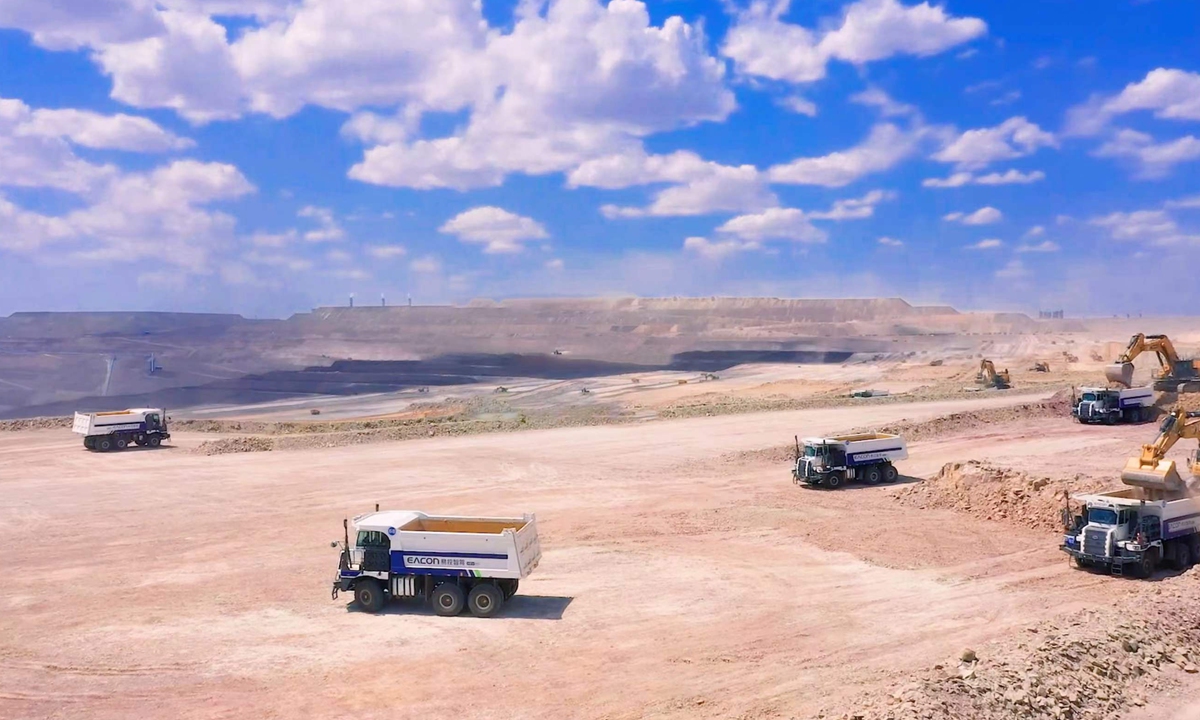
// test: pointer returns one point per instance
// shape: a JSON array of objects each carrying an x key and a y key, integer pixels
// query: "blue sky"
[{"x": 268, "y": 156}]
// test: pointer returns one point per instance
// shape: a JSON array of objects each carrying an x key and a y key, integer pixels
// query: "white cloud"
[
  {"x": 1154, "y": 227},
  {"x": 1011, "y": 177},
  {"x": 883, "y": 148},
  {"x": 799, "y": 105},
  {"x": 1007, "y": 98},
  {"x": 854, "y": 208},
  {"x": 555, "y": 265},
  {"x": 327, "y": 230},
  {"x": 581, "y": 82},
  {"x": 717, "y": 251},
  {"x": 426, "y": 265},
  {"x": 498, "y": 230},
  {"x": 1035, "y": 231},
  {"x": 876, "y": 98},
  {"x": 1014, "y": 138},
  {"x": 988, "y": 244},
  {"x": 350, "y": 274},
  {"x": 761, "y": 44},
  {"x": 24, "y": 231},
  {"x": 387, "y": 252},
  {"x": 891, "y": 242},
  {"x": 338, "y": 256},
  {"x": 274, "y": 240},
  {"x": 1151, "y": 159},
  {"x": 1013, "y": 270},
  {"x": 278, "y": 260},
  {"x": 774, "y": 224},
  {"x": 982, "y": 216},
  {"x": 1045, "y": 246},
  {"x": 1169, "y": 93},
  {"x": 190, "y": 69},
  {"x": 104, "y": 132},
  {"x": 955, "y": 180},
  {"x": 71, "y": 24},
  {"x": 1192, "y": 202},
  {"x": 701, "y": 187},
  {"x": 32, "y": 160}
]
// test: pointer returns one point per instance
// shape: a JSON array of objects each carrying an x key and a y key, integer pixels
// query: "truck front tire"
[
  {"x": 447, "y": 600},
  {"x": 369, "y": 595},
  {"x": 485, "y": 600},
  {"x": 154, "y": 441},
  {"x": 833, "y": 481}
]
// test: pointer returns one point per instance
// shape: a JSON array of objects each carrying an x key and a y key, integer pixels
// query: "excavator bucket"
[
  {"x": 1162, "y": 476},
  {"x": 1120, "y": 373}
]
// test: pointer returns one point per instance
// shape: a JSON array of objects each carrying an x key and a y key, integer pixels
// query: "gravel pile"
[
  {"x": 1090, "y": 665},
  {"x": 993, "y": 492},
  {"x": 41, "y": 423},
  {"x": 226, "y": 446}
]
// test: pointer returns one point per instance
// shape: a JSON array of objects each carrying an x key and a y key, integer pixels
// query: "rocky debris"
[
  {"x": 226, "y": 446},
  {"x": 40, "y": 423},
  {"x": 998, "y": 493},
  {"x": 1168, "y": 401},
  {"x": 1085, "y": 665}
]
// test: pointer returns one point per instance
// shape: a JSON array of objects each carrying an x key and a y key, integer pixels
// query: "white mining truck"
[
  {"x": 117, "y": 430},
  {"x": 1156, "y": 520},
  {"x": 1113, "y": 405},
  {"x": 451, "y": 562},
  {"x": 833, "y": 461}
]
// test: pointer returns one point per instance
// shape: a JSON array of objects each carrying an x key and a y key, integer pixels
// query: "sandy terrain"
[{"x": 682, "y": 577}]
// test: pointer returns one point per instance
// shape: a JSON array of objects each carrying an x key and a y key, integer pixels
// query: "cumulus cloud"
[
  {"x": 498, "y": 230},
  {"x": 719, "y": 250},
  {"x": 854, "y": 208},
  {"x": 327, "y": 230},
  {"x": 988, "y": 244},
  {"x": 71, "y": 24},
  {"x": 760, "y": 43},
  {"x": 885, "y": 147},
  {"x": 890, "y": 242},
  {"x": 1192, "y": 202},
  {"x": 426, "y": 265},
  {"x": 1046, "y": 246},
  {"x": 1010, "y": 177},
  {"x": 1014, "y": 138},
  {"x": 1150, "y": 159},
  {"x": 982, "y": 216},
  {"x": 1153, "y": 227},
  {"x": 102, "y": 132},
  {"x": 799, "y": 105},
  {"x": 1035, "y": 231},
  {"x": 1166, "y": 92},
  {"x": 774, "y": 224},
  {"x": 1012, "y": 270},
  {"x": 888, "y": 107},
  {"x": 387, "y": 252}
]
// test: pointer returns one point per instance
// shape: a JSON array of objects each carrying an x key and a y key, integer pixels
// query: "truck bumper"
[{"x": 1085, "y": 558}]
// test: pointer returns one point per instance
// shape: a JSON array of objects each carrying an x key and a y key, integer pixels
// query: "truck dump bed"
[{"x": 479, "y": 546}]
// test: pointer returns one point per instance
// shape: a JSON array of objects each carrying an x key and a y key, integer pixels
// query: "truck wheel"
[
  {"x": 485, "y": 600},
  {"x": 369, "y": 595},
  {"x": 1183, "y": 556},
  {"x": 872, "y": 475},
  {"x": 447, "y": 599},
  {"x": 1145, "y": 568},
  {"x": 890, "y": 474},
  {"x": 834, "y": 481},
  {"x": 154, "y": 441},
  {"x": 121, "y": 443},
  {"x": 104, "y": 444}
]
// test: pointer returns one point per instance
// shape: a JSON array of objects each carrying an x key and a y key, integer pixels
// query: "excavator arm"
[
  {"x": 1121, "y": 371},
  {"x": 988, "y": 375},
  {"x": 1152, "y": 470}
]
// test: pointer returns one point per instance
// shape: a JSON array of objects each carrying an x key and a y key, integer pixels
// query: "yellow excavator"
[
  {"x": 1174, "y": 375},
  {"x": 1152, "y": 470},
  {"x": 988, "y": 375}
]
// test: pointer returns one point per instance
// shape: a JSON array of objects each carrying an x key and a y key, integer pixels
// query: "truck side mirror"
[{"x": 333, "y": 544}]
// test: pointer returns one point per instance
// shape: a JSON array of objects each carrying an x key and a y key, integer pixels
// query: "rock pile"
[
  {"x": 39, "y": 423},
  {"x": 998, "y": 493},
  {"x": 1089, "y": 665},
  {"x": 226, "y": 446}
]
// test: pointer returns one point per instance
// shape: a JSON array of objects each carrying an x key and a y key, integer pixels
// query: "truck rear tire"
[
  {"x": 485, "y": 600},
  {"x": 104, "y": 444},
  {"x": 890, "y": 474},
  {"x": 872, "y": 475},
  {"x": 447, "y": 599},
  {"x": 509, "y": 588},
  {"x": 369, "y": 595},
  {"x": 121, "y": 443}
]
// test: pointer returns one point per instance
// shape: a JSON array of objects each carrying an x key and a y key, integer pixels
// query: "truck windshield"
[
  {"x": 810, "y": 451},
  {"x": 1089, "y": 397},
  {"x": 1102, "y": 516}
]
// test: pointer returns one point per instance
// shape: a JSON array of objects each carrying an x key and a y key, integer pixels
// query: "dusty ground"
[{"x": 683, "y": 574}]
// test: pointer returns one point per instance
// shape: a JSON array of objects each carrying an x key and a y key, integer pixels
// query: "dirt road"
[{"x": 677, "y": 580}]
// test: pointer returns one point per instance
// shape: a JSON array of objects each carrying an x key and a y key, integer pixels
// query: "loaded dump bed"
[{"x": 486, "y": 526}]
